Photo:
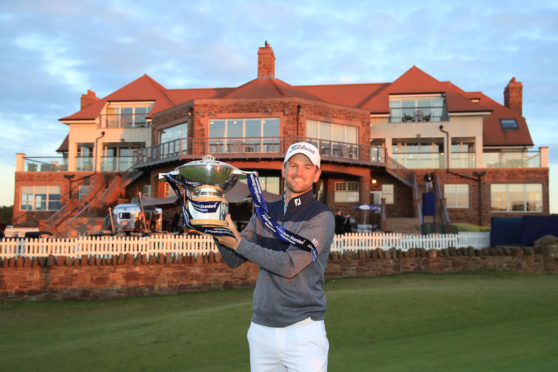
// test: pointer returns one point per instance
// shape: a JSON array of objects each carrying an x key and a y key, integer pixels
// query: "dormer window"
[
  {"x": 418, "y": 108},
  {"x": 508, "y": 124}
]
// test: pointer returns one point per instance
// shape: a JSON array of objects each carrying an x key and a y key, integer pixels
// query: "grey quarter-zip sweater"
[{"x": 290, "y": 287}]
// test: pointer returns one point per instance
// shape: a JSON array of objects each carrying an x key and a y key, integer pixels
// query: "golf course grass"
[{"x": 475, "y": 321}]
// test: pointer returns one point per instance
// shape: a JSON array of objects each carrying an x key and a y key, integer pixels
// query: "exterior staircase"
[{"x": 83, "y": 217}]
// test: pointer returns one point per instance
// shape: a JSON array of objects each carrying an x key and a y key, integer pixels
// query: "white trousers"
[{"x": 301, "y": 347}]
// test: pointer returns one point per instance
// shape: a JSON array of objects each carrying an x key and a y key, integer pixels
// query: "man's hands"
[{"x": 229, "y": 241}]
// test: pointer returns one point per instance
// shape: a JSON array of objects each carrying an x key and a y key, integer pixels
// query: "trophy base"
[{"x": 207, "y": 222}]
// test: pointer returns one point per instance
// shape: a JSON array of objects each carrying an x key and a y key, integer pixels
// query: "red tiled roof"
[
  {"x": 373, "y": 97},
  {"x": 416, "y": 81},
  {"x": 184, "y": 95},
  {"x": 142, "y": 89},
  {"x": 353, "y": 95},
  {"x": 268, "y": 88},
  {"x": 64, "y": 145},
  {"x": 494, "y": 135}
]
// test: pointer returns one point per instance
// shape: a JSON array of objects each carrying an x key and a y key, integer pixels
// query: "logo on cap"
[{"x": 304, "y": 148}]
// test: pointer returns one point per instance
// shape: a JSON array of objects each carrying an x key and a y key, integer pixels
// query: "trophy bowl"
[{"x": 206, "y": 181}]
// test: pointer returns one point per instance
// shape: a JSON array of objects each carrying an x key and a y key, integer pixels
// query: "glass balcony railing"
[
  {"x": 46, "y": 164},
  {"x": 85, "y": 164},
  {"x": 420, "y": 114},
  {"x": 423, "y": 160},
  {"x": 123, "y": 121},
  {"x": 508, "y": 159},
  {"x": 463, "y": 160},
  {"x": 116, "y": 163}
]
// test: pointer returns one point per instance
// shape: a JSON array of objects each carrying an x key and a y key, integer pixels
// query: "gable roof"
[
  {"x": 416, "y": 81},
  {"x": 141, "y": 89}
]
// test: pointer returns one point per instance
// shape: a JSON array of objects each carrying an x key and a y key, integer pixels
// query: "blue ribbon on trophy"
[
  {"x": 282, "y": 234},
  {"x": 224, "y": 176}
]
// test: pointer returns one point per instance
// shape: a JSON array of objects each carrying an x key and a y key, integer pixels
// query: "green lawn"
[{"x": 483, "y": 321}]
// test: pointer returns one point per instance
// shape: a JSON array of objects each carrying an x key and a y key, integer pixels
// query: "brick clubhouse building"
[{"x": 378, "y": 141}]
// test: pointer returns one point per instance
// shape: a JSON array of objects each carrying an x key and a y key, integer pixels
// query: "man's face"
[{"x": 300, "y": 174}]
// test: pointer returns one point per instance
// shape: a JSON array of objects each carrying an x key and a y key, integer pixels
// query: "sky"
[{"x": 53, "y": 51}]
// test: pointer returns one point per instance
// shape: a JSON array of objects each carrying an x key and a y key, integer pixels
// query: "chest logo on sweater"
[{"x": 297, "y": 202}]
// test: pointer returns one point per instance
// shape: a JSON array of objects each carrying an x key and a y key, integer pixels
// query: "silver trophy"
[{"x": 206, "y": 181}]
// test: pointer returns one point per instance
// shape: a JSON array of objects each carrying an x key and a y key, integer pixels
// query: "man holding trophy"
[
  {"x": 290, "y": 242},
  {"x": 287, "y": 330}
]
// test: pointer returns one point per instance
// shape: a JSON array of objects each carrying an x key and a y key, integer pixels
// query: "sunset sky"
[{"x": 54, "y": 51}]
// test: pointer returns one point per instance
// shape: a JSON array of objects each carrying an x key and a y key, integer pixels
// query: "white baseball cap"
[{"x": 304, "y": 148}]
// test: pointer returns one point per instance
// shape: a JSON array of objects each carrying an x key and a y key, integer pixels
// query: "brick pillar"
[
  {"x": 266, "y": 62},
  {"x": 513, "y": 96},
  {"x": 20, "y": 162}
]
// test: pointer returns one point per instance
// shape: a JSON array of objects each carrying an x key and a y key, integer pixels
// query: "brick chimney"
[
  {"x": 513, "y": 96},
  {"x": 266, "y": 62},
  {"x": 89, "y": 98}
]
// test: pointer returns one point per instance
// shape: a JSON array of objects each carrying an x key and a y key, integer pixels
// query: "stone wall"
[{"x": 61, "y": 278}]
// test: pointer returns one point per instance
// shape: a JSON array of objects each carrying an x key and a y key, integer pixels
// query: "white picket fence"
[
  {"x": 192, "y": 245},
  {"x": 404, "y": 242}
]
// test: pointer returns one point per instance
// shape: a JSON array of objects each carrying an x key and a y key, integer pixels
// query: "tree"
[{"x": 6, "y": 214}]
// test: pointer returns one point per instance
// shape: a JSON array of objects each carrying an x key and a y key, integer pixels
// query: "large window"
[
  {"x": 84, "y": 159},
  {"x": 516, "y": 197},
  {"x": 347, "y": 192},
  {"x": 40, "y": 198},
  {"x": 244, "y": 135},
  {"x": 418, "y": 108},
  {"x": 457, "y": 195},
  {"x": 333, "y": 139},
  {"x": 126, "y": 117},
  {"x": 172, "y": 133}
]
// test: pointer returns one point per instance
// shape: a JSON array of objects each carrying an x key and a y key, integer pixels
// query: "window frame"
[
  {"x": 454, "y": 200},
  {"x": 388, "y": 193},
  {"x": 511, "y": 124},
  {"x": 415, "y": 103},
  {"x": 51, "y": 200},
  {"x": 320, "y": 132},
  {"x": 509, "y": 200},
  {"x": 344, "y": 194}
]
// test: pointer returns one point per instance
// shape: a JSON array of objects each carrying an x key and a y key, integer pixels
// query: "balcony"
[
  {"x": 421, "y": 160},
  {"x": 463, "y": 160},
  {"x": 509, "y": 159},
  {"x": 253, "y": 148},
  {"x": 46, "y": 164},
  {"x": 111, "y": 121},
  {"x": 420, "y": 114},
  {"x": 116, "y": 163}
]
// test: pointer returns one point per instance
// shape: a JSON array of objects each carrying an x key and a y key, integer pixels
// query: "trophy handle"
[{"x": 240, "y": 172}]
